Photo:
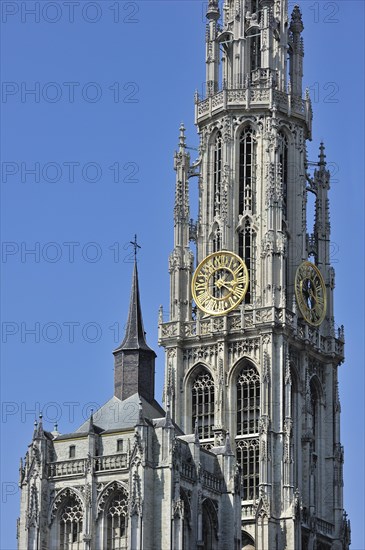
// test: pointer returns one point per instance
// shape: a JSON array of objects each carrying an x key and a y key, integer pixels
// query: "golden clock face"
[
  {"x": 220, "y": 283},
  {"x": 310, "y": 292}
]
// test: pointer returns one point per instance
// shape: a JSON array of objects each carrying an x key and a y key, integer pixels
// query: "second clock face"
[
  {"x": 310, "y": 291},
  {"x": 220, "y": 283}
]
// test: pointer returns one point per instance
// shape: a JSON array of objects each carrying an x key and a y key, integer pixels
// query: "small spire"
[
  {"x": 227, "y": 446},
  {"x": 196, "y": 432},
  {"x": 35, "y": 429},
  {"x": 134, "y": 335},
  {"x": 182, "y": 138},
  {"x": 91, "y": 423},
  {"x": 141, "y": 420},
  {"x": 322, "y": 156},
  {"x": 213, "y": 10},
  {"x": 296, "y": 24}
]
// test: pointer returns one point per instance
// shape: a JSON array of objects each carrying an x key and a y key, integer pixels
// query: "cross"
[{"x": 135, "y": 246}]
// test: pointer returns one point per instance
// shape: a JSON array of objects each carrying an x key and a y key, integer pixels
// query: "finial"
[
  {"x": 55, "y": 427},
  {"x": 182, "y": 136},
  {"x": 227, "y": 447},
  {"x": 296, "y": 24},
  {"x": 196, "y": 432},
  {"x": 140, "y": 412},
  {"x": 135, "y": 246},
  {"x": 213, "y": 10},
  {"x": 322, "y": 156}
]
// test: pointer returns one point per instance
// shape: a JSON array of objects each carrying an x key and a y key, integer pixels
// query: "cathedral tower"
[{"x": 263, "y": 374}]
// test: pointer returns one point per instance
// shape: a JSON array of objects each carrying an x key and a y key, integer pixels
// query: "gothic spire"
[
  {"x": 134, "y": 370},
  {"x": 135, "y": 338}
]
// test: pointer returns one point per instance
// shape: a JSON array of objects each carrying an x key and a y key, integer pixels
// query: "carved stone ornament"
[
  {"x": 64, "y": 494},
  {"x": 108, "y": 491}
]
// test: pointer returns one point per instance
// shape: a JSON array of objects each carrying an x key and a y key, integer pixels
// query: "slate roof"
[{"x": 135, "y": 338}]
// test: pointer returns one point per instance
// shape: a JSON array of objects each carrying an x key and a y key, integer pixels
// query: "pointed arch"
[
  {"x": 186, "y": 527},
  {"x": 248, "y": 542},
  {"x": 210, "y": 524},
  {"x": 67, "y": 518},
  {"x": 106, "y": 493},
  {"x": 116, "y": 520}
]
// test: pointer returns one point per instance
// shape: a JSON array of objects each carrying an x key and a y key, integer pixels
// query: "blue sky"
[{"x": 113, "y": 80}]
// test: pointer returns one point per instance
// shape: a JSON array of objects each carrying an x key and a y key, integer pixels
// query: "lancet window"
[
  {"x": 203, "y": 404},
  {"x": 246, "y": 250},
  {"x": 283, "y": 162},
  {"x": 247, "y": 168},
  {"x": 217, "y": 173},
  {"x": 116, "y": 518},
  {"x": 71, "y": 520},
  {"x": 247, "y": 438}
]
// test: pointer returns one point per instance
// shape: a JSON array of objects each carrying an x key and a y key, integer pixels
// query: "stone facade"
[{"x": 248, "y": 454}]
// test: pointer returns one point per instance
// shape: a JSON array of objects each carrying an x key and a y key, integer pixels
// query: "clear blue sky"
[{"x": 103, "y": 129}]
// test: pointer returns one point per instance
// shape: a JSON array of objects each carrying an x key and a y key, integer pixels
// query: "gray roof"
[
  {"x": 135, "y": 338},
  {"x": 121, "y": 415}
]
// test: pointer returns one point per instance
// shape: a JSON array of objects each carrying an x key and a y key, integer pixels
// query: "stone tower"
[{"x": 264, "y": 374}]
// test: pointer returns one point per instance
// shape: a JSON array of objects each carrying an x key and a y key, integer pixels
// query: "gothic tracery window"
[
  {"x": 71, "y": 519},
  {"x": 247, "y": 168},
  {"x": 247, "y": 438},
  {"x": 246, "y": 250},
  {"x": 217, "y": 173},
  {"x": 283, "y": 161},
  {"x": 117, "y": 514},
  {"x": 203, "y": 404}
]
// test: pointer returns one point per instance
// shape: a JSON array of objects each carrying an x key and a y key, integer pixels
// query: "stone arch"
[
  {"x": 248, "y": 542},
  {"x": 67, "y": 514},
  {"x": 67, "y": 492},
  {"x": 107, "y": 492},
  {"x": 210, "y": 524},
  {"x": 113, "y": 505}
]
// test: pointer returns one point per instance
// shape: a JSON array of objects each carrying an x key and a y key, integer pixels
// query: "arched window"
[
  {"x": 217, "y": 173},
  {"x": 71, "y": 518},
  {"x": 248, "y": 401},
  {"x": 247, "y": 168},
  {"x": 255, "y": 50},
  {"x": 247, "y": 436},
  {"x": 283, "y": 161},
  {"x": 210, "y": 525},
  {"x": 203, "y": 404},
  {"x": 116, "y": 515},
  {"x": 246, "y": 250},
  {"x": 186, "y": 543}
]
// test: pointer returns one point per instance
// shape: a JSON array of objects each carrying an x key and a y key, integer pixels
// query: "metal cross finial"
[{"x": 135, "y": 246}]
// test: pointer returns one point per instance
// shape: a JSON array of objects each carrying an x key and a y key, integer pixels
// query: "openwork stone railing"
[
  {"x": 252, "y": 96},
  {"x": 67, "y": 468},
  {"x": 248, "y": 511},
  {"x": 111, "y": 462},
  {"x": 211, "y": 481},
  {"x": 250, "y": 319},
  {"x": 188, "y": 471},
  {"x": 325, "y": 527}
]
